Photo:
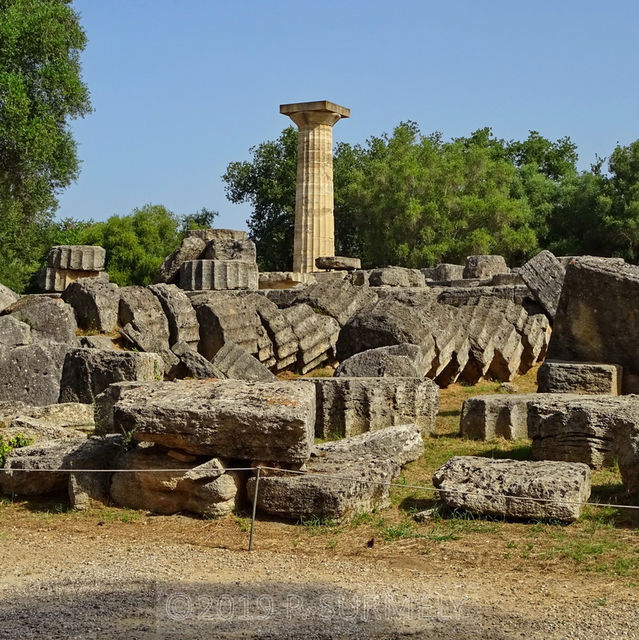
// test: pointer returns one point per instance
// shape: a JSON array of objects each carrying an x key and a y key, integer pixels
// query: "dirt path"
[{"x": 85, "y": 580}]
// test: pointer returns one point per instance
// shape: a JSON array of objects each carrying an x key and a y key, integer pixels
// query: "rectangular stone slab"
[
  {"x": 558, "y": 376},
  {"x": 225, "y": 418}
]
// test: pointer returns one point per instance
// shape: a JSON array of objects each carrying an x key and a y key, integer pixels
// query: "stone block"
[
  {"x": 57, "y": 280},
  {"x": 191, "y": 248},
  {"x": 484, "y": 266},
  {"x": 13, "y": 332},
  {"x": 505, "y": 279},
  {"x": 224, "y": 418},
  {"x": 7, "y": 297},
  {"x": 233, "y": 362},
  {"x": 226, "y": 249},
  {"x": 351, "y": 406},
  {"x": 596, "y": 317},
  {"x": 218, "y": 275},
  {"x": 88, "y": 372},
  {"x": 283, "y": 279},
  {"x": 513, "y": 488},
  {"x": 182, "y": 319},
  {"x": 77, "y": 257},
  {"x": 544, "y": 275},
  {"x": 492, "y": 416},
  {"x": 556, "y": 376},
  {"x": 204, "y": 488},
  {"x": 192, "y": 364},
  {"x": 396, "y": 277},
  {"x": 345, "y": 477},
  {"x": 208, "y": 235},
  {"x": 338, "y": 263},
  {"x": 95, "y": 303},
  {"x": 402, "y": 360},
  {"x": 50, "y": 319}
]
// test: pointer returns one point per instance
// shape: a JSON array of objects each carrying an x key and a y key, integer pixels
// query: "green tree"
[
  {"x": 135, "y": 244},
  {"x": 268, "y": 183},
  {"x": 202, "y": 219},
  {"x": 41, "y": 89}
]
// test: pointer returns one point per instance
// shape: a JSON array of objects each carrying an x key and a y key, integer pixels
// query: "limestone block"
[
  {"x": 482, "y": 266},
  {"x": 217, "y": 275},
  {"x": 365, "y": 465},
  {"x": 459, "y": 296},
  {"x": 283, "y": 279},
  {"x": 444, "y": 271},
  {"x": 95, "y": 303},
  {"x": 205, "y": 489},
  {"x": 50, "y": 319},
  {"x": 544, "y": 275},
  {"x": 225, "y": 418},
  {"x": 7, "y": 297},
  {"x": 208, "y": 235},
  {"x": 77, "y": 257},
  {"x": 351, "y": 406},
  {"x": 396, "y": 277},
  {"x": 192, "y": 364},
  {"x": 88, "y": 372},
  {"x": 279, "y": 330},
  {"x": 339, "y": 299},
  {"x": 57, "y": 280},
  {"x": 191, "y": 248},
  {"x": 579, "y": 428},
  {"x": 316, "y": 335},
  {"x": 514, "y": 489},
  {"x": 182, "y": 319},
  {"x": 596, "y": 317},
  {"x": 491, "y": 416},
  {"x": 556, "y": 376},
  {"x": 501, "y": 279},
  {"x": 402, "y": 360},
  {"x": 226, "y": 249},
  {"x": 338, "y": 263},
  {"x": 360, "y": 277},
  {"x": 233, "y": 362},
  {"x": 14, "y": 333}
]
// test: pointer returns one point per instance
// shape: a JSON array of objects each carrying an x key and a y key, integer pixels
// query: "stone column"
[{"x": 314, "y": 226}]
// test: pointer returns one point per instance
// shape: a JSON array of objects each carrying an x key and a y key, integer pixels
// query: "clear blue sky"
[{"x": 182, "y": 88}]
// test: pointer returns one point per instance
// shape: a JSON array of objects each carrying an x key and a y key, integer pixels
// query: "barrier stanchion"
[{"x": 257, "y": 488}]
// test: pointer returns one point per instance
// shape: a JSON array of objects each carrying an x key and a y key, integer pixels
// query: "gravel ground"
[{"x": 56, "y": 585}]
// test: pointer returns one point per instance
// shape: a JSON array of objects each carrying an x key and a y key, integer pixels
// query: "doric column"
[{"x": 314, "y": 226}]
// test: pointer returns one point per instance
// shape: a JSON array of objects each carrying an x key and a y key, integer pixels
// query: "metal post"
[{"x": 257, "y": 487}]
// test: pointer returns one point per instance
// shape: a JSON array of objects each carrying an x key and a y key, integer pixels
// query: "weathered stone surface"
[
  {"x": 501, "y": 279},
  {"x": 492, "y": 416},
  {"x": 95, "y": 303},
  {"x": 338, "y": 263},
  {"x": 556, "y": 376},
  {"x": 77, "y": 257},
  {"x": 206, "y": 489},
  {"x": 578, "y": 428},
  {"x": 225, "y": 318},
  {"x": 445, "y": 271},
  {"x": 31, "y": 373},
  {"x": 104, "y": 403},
  {"x": 225, "y": 418},
  {"x": 71, "y": 453},
  {"x": 226, "y": 249},
  {"x": 192, "y": 364},
  {"x": 191, "y": 248},
  {"x": 284, "y": 279},
  {"x": 400, "y": 444},
  {"x": 233, "y": 362},
  {"x": 182, "y": 319},
  {"x": 544, "y": 275},
  {"x": 7, "y": 297},
  {"x": 362, "y": 469},
  {"x": 88, "y": 372},
  {"x": 144, "y": 324},
  {"x": 396, "y": 277},
  {"x": 596, "y": 317},
  {"x": 50, "y": 319},
  {"x": 208, "y": 235},
  {"x": 402, "y": 360},
  {"x": 57, "y": 280},
  {"x": 316, "y": 335},
  {"x": 514, "y": 489},
  {"x": 484, "y": 267},
  {"x": 336, "y": 298},
  {"x": 627, "y": 450},
  {"x": 51, "y": 422},
  {"x": 98, "y": 342},
  {"x": 460, "y": 296},
  {"x": 13, "y": 332},
  {"x": 350, "y": 406},
  {"x": 360, "y": 277},
  {"x": 278, "y": 329},
  {"x": 218, "y": 275}
]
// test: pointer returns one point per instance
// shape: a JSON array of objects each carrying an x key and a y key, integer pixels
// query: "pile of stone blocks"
[
  {"x": 212, "y": 260},
  {"x": 68, "y": 263}
]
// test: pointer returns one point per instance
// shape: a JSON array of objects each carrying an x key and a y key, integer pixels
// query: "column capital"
[{"x": 318, "y": 112}]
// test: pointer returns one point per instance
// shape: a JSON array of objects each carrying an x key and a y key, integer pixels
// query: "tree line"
[{"x": 415, "y": 200}]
